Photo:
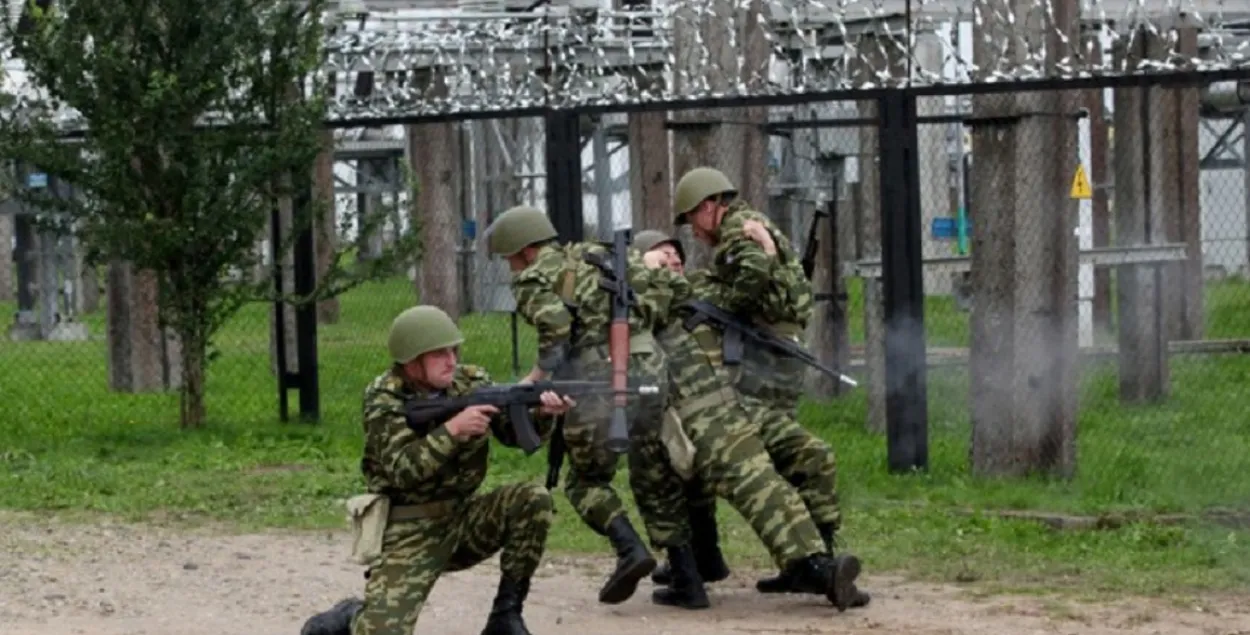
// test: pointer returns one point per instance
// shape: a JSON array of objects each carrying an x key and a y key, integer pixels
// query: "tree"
[{"x": 192, "y": 123}]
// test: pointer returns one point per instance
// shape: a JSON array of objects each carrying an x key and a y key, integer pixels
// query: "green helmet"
[
  {"x": 649, "y": 239},
  {"x": 420, "y": 330},
  {"x": 697, "y": 186},
  {"x": 518, "y": 228}
]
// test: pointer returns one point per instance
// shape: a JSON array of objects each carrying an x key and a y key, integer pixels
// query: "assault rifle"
[
  {"x": 736, "y": 330},
  {"x": 515, "y": 400}
]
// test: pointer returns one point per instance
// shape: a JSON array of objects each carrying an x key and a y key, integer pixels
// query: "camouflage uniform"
[
  {"x": 558, "y": 293},
  {"x": 446, "y": 526},
  {"x": 730, "y": 458},
  {"x": 699, "y": 498},
  {"x": 774, "y": 291},
  {"x": 437, "y": 521}
]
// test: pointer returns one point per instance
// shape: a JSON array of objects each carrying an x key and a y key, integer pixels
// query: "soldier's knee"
[
  {"x": 533, "y": 498},
  {"x": 816, "y": 457}
]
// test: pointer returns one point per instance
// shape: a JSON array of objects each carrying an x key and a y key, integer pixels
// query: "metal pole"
[
  {"x": 279, "y": 309},
  {"x": 1245, "y": 170},
  {"x": 564, "y": 175},
  {"x": 906, "y": 402},
  {"x": 306, "y": 312},
  {"x": 603, "y": 182}
]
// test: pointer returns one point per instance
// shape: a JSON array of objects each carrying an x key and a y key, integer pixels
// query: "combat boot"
[
  {"x": 633, "y": 562},
  {"x": 822, "y": 574},
  {"x": 336, "y": 621},
  {"x": 780, "y": 584},
  {"x": 505, "y": 614},
  {"x": 686, "y": 588},
  {"x": 705, "y": 541}
]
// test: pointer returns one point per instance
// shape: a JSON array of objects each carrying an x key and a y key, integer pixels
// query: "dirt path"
[{"x": 116, "y": 579}]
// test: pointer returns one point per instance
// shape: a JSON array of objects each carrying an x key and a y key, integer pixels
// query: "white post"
[{"x": 1085, "y": 240}]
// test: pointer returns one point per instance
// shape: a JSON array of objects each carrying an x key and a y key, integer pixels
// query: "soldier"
[
  {"x": 755, "y": 272},
  {"x": 557, "y": 291},
  {"x": 552, "y": 286},
  {"x": 710, "y": 443},
  {"x": 709, "y": 436},
  {"x": 700, "y": 500},
  {"x": 429, "y": 478},
  {"x": 666, "y": 247}
]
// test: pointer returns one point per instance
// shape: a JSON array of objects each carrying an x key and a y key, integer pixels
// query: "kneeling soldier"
[{"x": 437, "y": 522}]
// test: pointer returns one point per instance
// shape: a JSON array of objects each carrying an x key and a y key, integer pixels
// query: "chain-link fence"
[{"x": 1084, "y": 259}]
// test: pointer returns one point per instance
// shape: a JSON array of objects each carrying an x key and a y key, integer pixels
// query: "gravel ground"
[{"x": 111, "y": 578}]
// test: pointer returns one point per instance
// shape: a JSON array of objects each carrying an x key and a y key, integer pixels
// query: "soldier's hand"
[
  {"x": 757, "y": 232},
  {"x": 473, "y": 421},
  {"x": 655, "y": 259},
  {"x": 553, "y": 404}
]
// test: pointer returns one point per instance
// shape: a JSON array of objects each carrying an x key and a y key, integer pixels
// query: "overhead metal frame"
[{"x": 603, "y": 51}]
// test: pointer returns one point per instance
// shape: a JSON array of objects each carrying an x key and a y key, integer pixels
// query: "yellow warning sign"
[{"x": 1080, "y": 184}]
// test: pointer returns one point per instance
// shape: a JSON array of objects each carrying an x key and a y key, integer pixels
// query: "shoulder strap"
[{"x": 567, "y": 278}]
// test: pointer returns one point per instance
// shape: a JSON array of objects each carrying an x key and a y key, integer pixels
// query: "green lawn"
[{"x": 67, "y": 443}]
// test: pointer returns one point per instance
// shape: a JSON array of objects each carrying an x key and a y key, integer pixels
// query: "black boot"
[
  {"x": 633, "y": 562},
  {"x": 505, "y": 613},
  {"x": 831, "y": 576},
  {"x": 780, "y": 584},
  {"x": 822, "y": 574},
  {"x": 336, "y": 621},
  {"x": 705, "y": 542},
  {"x": 686, "y": 589}
]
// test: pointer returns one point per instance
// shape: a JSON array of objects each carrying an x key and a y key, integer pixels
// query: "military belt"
[{"x": 422, "y": 511}]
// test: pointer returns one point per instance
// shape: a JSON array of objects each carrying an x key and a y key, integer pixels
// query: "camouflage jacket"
[
  {"x": 742, "y": 278},
  {"x": 415, "y": 467},
  {"x": 559, "y": 295}
]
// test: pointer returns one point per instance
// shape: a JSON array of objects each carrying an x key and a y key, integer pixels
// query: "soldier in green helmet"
[
  {"x": 659, "y": 245},
  {"x": 755, "y": 272},
  {"x": 707, "y": 437},
  {"x": 661, "y": 250},
  {"x": 557, "y": 291},
  {"x": 424, "y": 515}
]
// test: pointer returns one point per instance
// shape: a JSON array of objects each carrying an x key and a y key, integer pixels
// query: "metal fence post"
[
  {"x": 907, "y": 411},
  {"x": 284, "y": 376},
  {"x": 306, "y": 313},
  {"x": 564, "y": 174}
]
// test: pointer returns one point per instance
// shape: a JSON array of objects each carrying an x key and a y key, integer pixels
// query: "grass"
[{"x": 69, "y": 445}]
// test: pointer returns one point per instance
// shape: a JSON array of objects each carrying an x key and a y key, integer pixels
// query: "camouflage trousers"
[
  {"x": 591, "y": 467},
  {"x": 804, "y": 459},
  {"x": 512, "y": 519},
  {"x": 729, "y": 457}
]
